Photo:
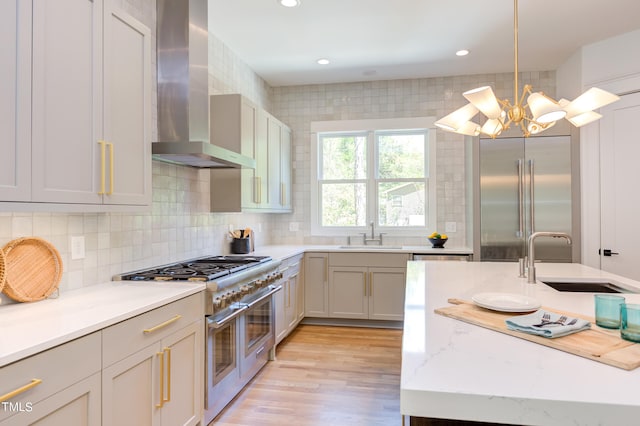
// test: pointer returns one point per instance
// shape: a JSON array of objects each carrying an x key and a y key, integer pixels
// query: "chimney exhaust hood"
[{"x": 183, "y": 89}]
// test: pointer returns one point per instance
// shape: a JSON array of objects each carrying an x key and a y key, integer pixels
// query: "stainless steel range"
[{"x": 240, "y": 332}]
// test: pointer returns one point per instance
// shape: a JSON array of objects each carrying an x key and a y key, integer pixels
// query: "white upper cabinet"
[
  {"x": 15, "y": 100},
  {"x": 239, "y": 125},
  {"x": 90, "y": 98},
  {"x": 127, "y": 103}
]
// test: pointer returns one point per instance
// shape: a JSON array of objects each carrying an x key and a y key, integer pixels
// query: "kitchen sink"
[
  {"x": 576, "y": 286},
  {"x": 371, "y": 247}
]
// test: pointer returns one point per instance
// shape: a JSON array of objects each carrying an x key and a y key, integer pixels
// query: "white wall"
[{"x": 612, "y": 65}]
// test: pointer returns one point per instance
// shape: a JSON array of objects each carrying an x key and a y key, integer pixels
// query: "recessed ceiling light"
[
  {"x": 289, "y": 3},
  {"x": 463, "y": 52},
  {"x": 323, "y": 61}
]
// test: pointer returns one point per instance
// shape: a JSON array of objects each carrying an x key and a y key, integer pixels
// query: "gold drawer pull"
[
  {"x": 164, "y": 324},
  {"x": 32, "y": 384}
]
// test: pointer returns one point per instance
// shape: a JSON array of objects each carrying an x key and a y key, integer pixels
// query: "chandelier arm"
[{"x": 525, "y": 90}]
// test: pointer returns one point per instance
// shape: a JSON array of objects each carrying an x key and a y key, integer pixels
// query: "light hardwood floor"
[{"x": 324, "y": 376}]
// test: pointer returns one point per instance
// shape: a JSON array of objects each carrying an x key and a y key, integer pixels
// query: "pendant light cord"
[{"x": 515, "y": 52}]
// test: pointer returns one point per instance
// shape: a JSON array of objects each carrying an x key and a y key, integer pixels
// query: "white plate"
[{"x": 506, "y": 302}]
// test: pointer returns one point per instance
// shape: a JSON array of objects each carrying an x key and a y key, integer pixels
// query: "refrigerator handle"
[
  {"x": 532, "y": 208},
  {"x": 520, "y": 232}
]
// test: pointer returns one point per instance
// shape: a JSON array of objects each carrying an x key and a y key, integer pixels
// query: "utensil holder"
[{"x": 241, "y": 246}]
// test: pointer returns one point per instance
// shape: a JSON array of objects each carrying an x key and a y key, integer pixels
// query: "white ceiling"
[{"x": 396, "y": 39}]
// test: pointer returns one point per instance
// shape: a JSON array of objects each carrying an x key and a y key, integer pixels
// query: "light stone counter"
[
  {"x": 284, "y": 251},
  {"x": 29, "y": 328},
  {"x": 455, "y": 370}
]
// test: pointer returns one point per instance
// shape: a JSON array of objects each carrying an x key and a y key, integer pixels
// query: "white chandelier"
[{"x": 538, "y": 114}]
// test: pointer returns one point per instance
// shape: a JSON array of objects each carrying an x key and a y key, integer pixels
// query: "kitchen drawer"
[
  {"x": 291, "y": 265},
  {"x": 129, "y": 336},
  {"x": 57, "y": 368},
  {"x": 379, "y": 260}
]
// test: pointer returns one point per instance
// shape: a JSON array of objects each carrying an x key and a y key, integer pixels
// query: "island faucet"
[{"x": 531, "y": 273}]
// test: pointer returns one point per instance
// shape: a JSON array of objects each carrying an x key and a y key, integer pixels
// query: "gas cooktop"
[{"x": 201, "y": 269}]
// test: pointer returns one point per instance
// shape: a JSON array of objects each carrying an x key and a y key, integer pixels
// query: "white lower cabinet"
[
  {"x": 57, "y": 387},
  {"x": 368, "y": 286},
  {"x": 153, "y": 367},
  {"x": 289, "y": 301},
  {"x": 316, "y": 285}
]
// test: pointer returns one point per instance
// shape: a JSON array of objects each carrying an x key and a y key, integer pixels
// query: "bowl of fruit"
[{"x": 437, "y": 240}]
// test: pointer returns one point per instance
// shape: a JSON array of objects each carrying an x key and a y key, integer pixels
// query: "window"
[{"x": 379, "y": 171}]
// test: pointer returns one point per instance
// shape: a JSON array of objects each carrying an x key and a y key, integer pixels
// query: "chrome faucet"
[
  {"x": 373, "y": 237},
  {"x": 531, "y": 272}
]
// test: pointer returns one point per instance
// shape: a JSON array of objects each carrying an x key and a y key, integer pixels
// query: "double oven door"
[{"x": 236, "y": 348}]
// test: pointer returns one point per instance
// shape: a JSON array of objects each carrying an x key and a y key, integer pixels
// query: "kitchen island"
[{"x": 455, "y": 370}]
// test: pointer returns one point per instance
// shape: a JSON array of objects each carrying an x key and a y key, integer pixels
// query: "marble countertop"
[
  {"x": 284, "y": 251},
  {"x": 455, "y": 370},
  {"x": 29, "y": 328}
]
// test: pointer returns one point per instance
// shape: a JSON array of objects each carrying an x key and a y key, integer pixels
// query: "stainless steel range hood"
[{"x": 183, "y": 89}]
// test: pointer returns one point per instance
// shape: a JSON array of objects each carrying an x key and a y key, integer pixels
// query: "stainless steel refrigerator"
[{"x": 525, "y": 185}]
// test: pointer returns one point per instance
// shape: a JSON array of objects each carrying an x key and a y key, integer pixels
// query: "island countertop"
[{"x": 455, "y": 370}]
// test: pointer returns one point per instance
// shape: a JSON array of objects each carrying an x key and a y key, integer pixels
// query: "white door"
[
  {"x": 619, "y": 177},
  {"x": 15, "y": 100},
  {"x": 67, "y": 100},
  {"x": 127, "y": 112}
]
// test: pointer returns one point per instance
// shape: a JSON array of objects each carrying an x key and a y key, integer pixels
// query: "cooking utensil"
[{"x": 33, "y": 269}]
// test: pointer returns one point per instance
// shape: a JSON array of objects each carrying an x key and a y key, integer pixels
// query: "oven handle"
[
  {"x": 220, "y": 323},
  {"x": 264, "y": 296}
]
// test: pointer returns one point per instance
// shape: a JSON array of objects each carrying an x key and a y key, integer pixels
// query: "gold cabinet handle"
[
  {"x": 110, "y": 168},
  {"x": 32, "y": 384},
  {"x": 168, "y": 351},
  {"x": 161, "y": 356},
  {"x": 164, "y": 324},
  {"x": 103, "y": 166}
]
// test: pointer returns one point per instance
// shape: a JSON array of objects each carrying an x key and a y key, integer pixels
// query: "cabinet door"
[
  {"x": 67, "y": 100},
  {"x": 78, "y": 404},
  {"x": 261, "y": 155},
  {"x": 280, "y": 299},
  {"x": 300, "y": 293},
  {"x": 316, "y": 296},
  {"x": 15, "y": 100},
  {"x": 131, "y": 389},
  {"x": 127, "y": 108},
  {"x": 184, "y": 376},
  {"x": 248, "y": 137},
  {"x": 292, "y": 308},
  {"x": 386, "y": 293},
  {"x": 273, "y": 176},
  {"x": 348, "y": 292},
  {"x": 286, "y": 183}
]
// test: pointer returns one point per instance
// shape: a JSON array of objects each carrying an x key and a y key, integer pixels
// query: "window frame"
[{"x": 370, "y": 128}]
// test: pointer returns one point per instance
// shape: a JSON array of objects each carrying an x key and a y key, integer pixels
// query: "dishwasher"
[{"x": 458, "y": 257}]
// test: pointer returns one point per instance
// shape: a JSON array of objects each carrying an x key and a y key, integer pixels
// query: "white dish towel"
[{"x": 547, "y": 324}]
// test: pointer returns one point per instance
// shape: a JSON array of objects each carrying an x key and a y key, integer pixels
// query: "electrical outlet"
[
  {"x": 77, "y": 247},
  {"x": 450, "y": 227}
]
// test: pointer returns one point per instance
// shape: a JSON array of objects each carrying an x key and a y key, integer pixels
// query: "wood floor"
[{"x": 325, "y": 376}]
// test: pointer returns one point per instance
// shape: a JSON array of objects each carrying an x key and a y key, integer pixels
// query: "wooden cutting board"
[{"x": 597, "y": 344}]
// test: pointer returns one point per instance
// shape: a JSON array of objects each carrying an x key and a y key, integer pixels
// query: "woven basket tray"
[
  {"x": 2, "y": 270},
  {"x": 33, "y": 269}
]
